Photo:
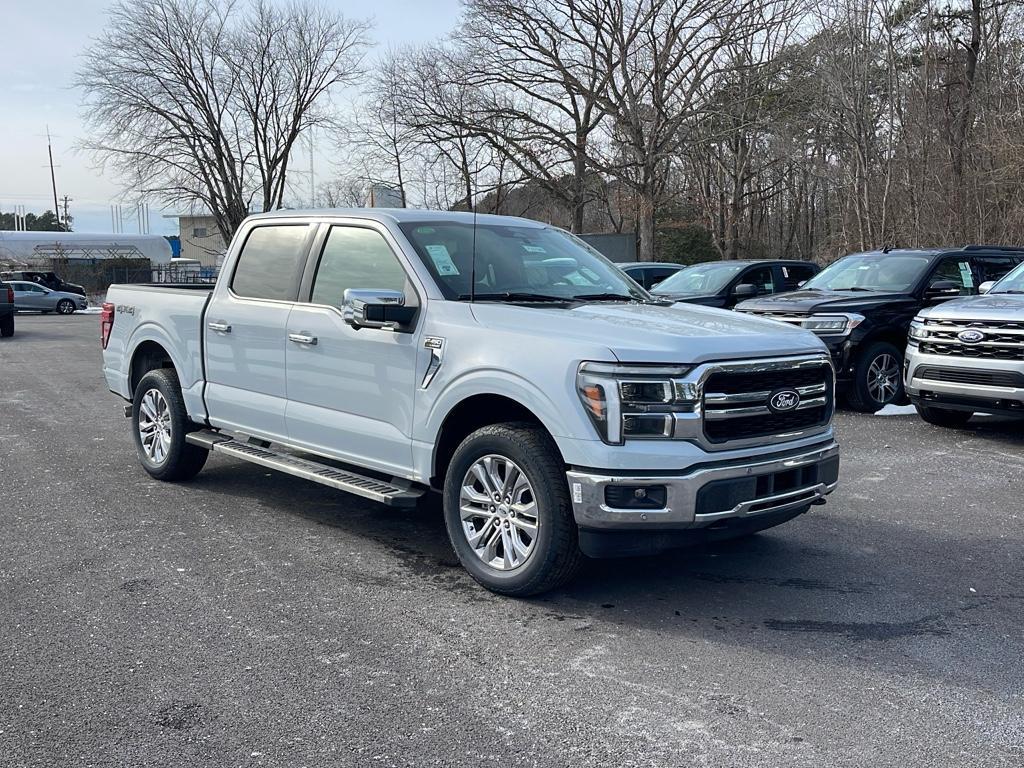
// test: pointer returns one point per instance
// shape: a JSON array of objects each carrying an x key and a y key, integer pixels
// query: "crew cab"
[
  {"x": 861, "y": 306},
  {"x": 724, "y": 283},
  {"x": 558, "y": 408},
  {"x": 967, "y": 356}
]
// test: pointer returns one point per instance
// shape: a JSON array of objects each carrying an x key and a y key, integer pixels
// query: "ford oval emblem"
[
  {"x": 784, "y": 400},
  {"x": 970, "y": 336}
]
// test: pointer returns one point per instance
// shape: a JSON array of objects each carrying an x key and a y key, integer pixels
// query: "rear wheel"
[
  {"x": 507, "y": 510},
  {"x": 7, "y": 327},
  {"x": 943, "y": 417},
  {"x": 877, "y": 378},
  {"x": 65, "y": 307},
  {"x": 159, "y": 426}
]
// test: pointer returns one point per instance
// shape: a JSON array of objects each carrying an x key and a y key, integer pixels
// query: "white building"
[{"x": 200, "y": 238}]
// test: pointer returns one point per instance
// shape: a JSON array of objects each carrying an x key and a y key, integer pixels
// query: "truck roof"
[{"x": 401, "y": 215}]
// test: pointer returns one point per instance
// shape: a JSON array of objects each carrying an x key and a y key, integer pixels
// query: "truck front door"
[
  {"x": 246, "y": 330},
  {"x": 350, "y": 391}
]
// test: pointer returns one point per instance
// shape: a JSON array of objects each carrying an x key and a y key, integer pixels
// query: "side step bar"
[{"x": 395, "y": 493}]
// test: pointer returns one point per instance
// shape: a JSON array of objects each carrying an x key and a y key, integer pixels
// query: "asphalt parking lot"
[{"x": 249, "y": 618}]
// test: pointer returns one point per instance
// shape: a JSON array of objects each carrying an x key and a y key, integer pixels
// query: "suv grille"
[
  {"x": 737, "y": 403},
  {"x": 970, "y": 376},
  {"x": 1003, "y": 340}
]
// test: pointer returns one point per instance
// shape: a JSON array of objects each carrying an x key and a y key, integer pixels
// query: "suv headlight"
[
  {"x": 634, "y": 401},
  {"x": 917, "y": 330},
  {"x": 828, "y": 324}
]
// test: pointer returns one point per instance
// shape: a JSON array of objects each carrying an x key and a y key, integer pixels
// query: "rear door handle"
[
  {"x": 219, "y": 325},
  {"x": 302, "y": 338}
]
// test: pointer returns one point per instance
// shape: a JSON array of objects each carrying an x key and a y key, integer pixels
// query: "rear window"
[{"x": 270, "y": 264}]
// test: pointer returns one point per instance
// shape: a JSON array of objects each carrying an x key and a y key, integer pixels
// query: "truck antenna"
[{"x": 472, "y": 262}]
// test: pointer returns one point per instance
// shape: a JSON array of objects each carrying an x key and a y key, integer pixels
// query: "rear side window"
[
  {"x": 270, "y": 264},
  {"x": 794, "y": 274},
  {"x": 994, "y": 267}
]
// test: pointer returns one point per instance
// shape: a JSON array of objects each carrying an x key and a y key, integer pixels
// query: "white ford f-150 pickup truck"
[{"x": 560, "y": 409}]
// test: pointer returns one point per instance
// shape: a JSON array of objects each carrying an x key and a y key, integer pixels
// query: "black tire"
[
  {"x": 7, "y": 327},
  {"x": 65, "y": 307},
  {"x": 943, "y": 417},
  {"x": 180, "y": 460},
  {"x": 555, "y": 556},
  {"x": 867, "y": 386}
]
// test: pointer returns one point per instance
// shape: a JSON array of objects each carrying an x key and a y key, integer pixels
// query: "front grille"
[
  {"x": 1003, "y": 340},
  {"x": 736, "y": 403},
  {"x": 970, "y": 376}
]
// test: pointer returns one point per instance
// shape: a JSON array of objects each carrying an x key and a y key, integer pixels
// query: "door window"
[
  {"x": 760, "y": 277},
  {"x": 994, "y": 267},
  {"x": 794, "y": 274},
  {"x": 359, "y": 258},
  {"x": 956, "y": 271},
  {"x": 270, "y": 264}
]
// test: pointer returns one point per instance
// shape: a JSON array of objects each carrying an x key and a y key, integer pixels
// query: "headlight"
[
  {"x": 829, "y": 324},
  {"x": 634, "y": 401},
  {"x": 917, "y": 330}
]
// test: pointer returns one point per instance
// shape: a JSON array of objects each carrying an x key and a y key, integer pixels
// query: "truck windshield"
[
  {"x": 1012, "y": 283},
  {"x": 517, "y": 264},
  {"x": 871, "y": 272},
  {"x": 699, "y": 279}
]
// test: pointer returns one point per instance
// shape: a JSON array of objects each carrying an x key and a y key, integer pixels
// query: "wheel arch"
[{"x": 148, "y": 355}]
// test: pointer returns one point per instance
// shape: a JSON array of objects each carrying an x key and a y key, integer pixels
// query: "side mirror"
[
  {"x": 943, "y": 288},
  {"x": 801, "y": 284},
  {"x": 986, "y": 286},
  {"x": 375, "y": 309},
  {"x": 745, "y": 291}
]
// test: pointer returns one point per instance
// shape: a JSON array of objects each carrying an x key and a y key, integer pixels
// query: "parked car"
[
  {"x": 32, "y": 297},
  {"x": 967, "y": 356},
  {"x": 557, "y": 407},
  {"x": 6, "y": 310},
  {"x": 861, "y": 306},
  {"x": 724, "y": 283},
  {"x": 650, "y": 273},
  {"x": 46, "y": 279}
]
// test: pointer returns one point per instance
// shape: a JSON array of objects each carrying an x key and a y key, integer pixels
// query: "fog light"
[{"x": 635, "y": 496}]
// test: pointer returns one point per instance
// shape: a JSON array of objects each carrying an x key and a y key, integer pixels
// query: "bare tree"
[{"x": 206, "y": 103}]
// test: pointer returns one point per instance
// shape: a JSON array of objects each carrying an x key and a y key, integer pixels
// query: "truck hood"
[
  {"x": 647, "y": 333},
  {"x": 992, "y": 306},
  {"x": 814, "y": 300}
]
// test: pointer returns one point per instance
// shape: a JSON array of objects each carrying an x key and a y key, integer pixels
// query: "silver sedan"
[{"x": 32, "y": 297}]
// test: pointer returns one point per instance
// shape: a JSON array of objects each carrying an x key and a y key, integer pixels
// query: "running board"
[{"x": 395, "y": 493}]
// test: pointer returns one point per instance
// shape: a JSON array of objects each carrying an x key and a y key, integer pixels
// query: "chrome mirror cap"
[{"x": 367, "y": 308}]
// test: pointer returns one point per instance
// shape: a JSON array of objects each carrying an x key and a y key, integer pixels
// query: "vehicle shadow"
[{"x": 821, "y": 582}]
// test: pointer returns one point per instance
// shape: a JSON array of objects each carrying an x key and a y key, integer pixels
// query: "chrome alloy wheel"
[
  {"x": 155, "y": 425},
  {"x": 499, "y": 512},
  {"x": 883, "y": 378}
]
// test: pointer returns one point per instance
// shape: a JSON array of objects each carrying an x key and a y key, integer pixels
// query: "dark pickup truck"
[
  {"x": 6, "y": 310},
  {"x": 724, "y": 283},
  {"x": 861, "y": 307}
]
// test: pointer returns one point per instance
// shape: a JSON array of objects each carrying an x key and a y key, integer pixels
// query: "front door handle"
[
  {"x": 302, "y": 338},
  {"x": 219, "y": 325}
]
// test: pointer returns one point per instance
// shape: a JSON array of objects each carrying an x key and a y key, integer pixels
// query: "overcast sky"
[{"x": 38, "y": 57}]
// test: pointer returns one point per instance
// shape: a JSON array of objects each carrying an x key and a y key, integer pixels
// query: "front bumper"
[
  {"x": 964, "y": 383},
  {"x": 773, "y": 483}
]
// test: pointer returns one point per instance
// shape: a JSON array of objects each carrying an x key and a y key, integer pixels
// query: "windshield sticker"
[
  {"x": 442, "y": 260},
  {"x": 533, "y": 249},
  {"x": 965, "y": 273}
]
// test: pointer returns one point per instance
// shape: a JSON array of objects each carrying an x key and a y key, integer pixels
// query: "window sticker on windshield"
[
  {"x": 533, "y": 249},
  {"x": 442, "y": 260},
  {"x": 965, "y": 273}
]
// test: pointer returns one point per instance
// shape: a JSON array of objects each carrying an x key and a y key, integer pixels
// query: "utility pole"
[
  {"x": 53, "y": 176},
  {"x": 67, "y": 218}
]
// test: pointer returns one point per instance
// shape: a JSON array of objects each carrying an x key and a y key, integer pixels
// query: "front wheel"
[
  {"x": 507, "y": 510},
  {"x": 877, "y": 378},
  {"x": 943, "y": 417},
  {"x": 159, "y": 425},
  {"x": 65, "y": 307}
]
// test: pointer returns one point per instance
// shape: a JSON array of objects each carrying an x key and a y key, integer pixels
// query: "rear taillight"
[
  {"x": 10, "y": 294},
  {"x": 106, "y": 322}
]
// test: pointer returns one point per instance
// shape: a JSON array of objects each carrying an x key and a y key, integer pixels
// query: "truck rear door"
[{"x": 246, "y": 329}]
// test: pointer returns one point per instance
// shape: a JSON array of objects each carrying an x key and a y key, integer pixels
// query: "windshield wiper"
[
  {"x": 1009, "y": 290},
  {"x": 605, "y": 297},
  {"x": 856, "y": 288},
  {"x": 514, "y": 296}
]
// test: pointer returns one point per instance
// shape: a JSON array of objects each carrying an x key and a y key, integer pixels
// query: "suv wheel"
[
  {"x": 877, "y": 378},
  {"x": 159, "y": 425},
  {"x": 943, "y": 417},
  {"x": 507, "y": 510}
]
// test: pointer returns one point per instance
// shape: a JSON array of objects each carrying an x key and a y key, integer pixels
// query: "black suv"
[
  {"x": 47, "y": 279},
  {"x": 862, "y": 305},
  {"x": 723, "y": 283}
]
